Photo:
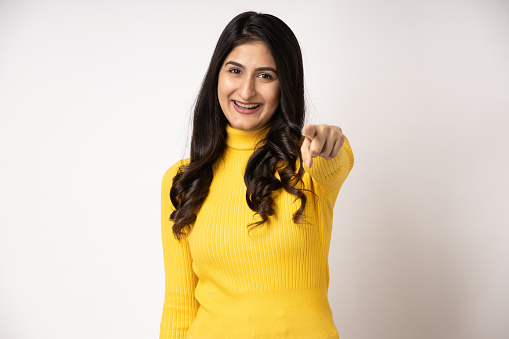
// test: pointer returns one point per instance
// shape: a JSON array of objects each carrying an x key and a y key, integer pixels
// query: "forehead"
[{"x": 253, "y": 54}]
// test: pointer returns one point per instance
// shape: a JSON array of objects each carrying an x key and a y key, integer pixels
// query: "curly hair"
[{"x": 278, "y": 152}]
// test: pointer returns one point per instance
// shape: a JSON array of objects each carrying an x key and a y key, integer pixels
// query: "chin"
[{"x": 245, "y": 125}]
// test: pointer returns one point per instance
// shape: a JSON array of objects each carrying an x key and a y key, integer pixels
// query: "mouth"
[{"x": 245, "y": 108}]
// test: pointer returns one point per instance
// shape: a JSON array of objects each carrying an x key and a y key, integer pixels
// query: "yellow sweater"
[{"x": 223, "y": 282}]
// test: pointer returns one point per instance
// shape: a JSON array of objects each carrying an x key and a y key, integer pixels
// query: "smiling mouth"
[{"x": 246, "y": 106}]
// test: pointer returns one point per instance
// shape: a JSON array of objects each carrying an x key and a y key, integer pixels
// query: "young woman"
[{"x": 246, "y": 221}]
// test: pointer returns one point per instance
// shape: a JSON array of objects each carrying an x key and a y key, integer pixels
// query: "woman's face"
[{"x": 248, "y": 86}]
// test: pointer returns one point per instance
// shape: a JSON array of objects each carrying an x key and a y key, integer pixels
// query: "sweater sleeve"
[
  {"x": 330, "y": 174},
  {"x": 180, "y": 305}
]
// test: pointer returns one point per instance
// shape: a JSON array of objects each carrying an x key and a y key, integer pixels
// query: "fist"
[{"x": 321, "y": 141}]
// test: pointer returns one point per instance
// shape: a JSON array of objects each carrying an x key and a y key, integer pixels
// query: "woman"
[{"x": 246, "y": 221}]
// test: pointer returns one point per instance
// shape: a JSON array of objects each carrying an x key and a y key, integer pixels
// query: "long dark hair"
[{"x": 280, "y": 150}]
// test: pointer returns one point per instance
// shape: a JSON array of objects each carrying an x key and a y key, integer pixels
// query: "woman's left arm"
[{"x": 327, "y": 155}]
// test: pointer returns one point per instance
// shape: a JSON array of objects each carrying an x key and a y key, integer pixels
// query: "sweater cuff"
[{"x": 330, "y": 174}]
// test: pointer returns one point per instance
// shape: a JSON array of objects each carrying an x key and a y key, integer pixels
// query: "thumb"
[{"x": 310, "y": 132}]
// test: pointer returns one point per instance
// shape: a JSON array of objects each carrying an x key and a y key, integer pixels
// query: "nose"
[{"x": 247, "y": 88}]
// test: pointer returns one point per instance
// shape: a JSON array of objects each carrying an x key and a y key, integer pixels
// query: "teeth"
[{"x": 246, "y": 106}]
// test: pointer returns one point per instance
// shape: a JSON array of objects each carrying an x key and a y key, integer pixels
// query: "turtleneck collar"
[{"x": 241, "y": 140}]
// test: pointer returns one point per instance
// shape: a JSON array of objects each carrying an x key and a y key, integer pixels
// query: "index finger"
[{"x": 305, "y": 154}]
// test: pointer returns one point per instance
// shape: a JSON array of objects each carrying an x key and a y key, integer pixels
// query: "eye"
[
  {"x": 234, "y": 71},
  {"x": 266, "y": 76}
]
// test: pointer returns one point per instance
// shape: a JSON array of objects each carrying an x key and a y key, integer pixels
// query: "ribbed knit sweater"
[{"x": 224, "y": 281}]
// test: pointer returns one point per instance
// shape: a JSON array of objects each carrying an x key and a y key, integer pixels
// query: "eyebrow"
[{"x": 256, "y": 69}]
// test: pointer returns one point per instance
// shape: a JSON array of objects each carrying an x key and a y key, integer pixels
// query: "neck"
[{"x": 244, "y": 140}]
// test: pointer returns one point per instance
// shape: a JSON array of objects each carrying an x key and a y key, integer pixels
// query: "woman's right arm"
[{"x": 180, "y": 305}]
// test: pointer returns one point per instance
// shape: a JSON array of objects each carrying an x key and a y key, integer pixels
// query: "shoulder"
[{"x": 172, "y": 171}]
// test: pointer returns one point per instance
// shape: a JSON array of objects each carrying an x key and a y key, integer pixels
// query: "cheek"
[
  {"x": 225, "y": 86},
  {"x": 273, "y": 96}
]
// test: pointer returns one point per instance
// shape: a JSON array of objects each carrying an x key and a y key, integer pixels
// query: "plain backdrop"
[{"x": 95, "y": 99}]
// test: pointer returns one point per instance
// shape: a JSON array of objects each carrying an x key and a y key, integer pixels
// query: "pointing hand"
[{"x": 321, "y": 141}]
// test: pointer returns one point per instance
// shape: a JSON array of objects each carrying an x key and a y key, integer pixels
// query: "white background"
[{"x": 95, "y": 98}]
